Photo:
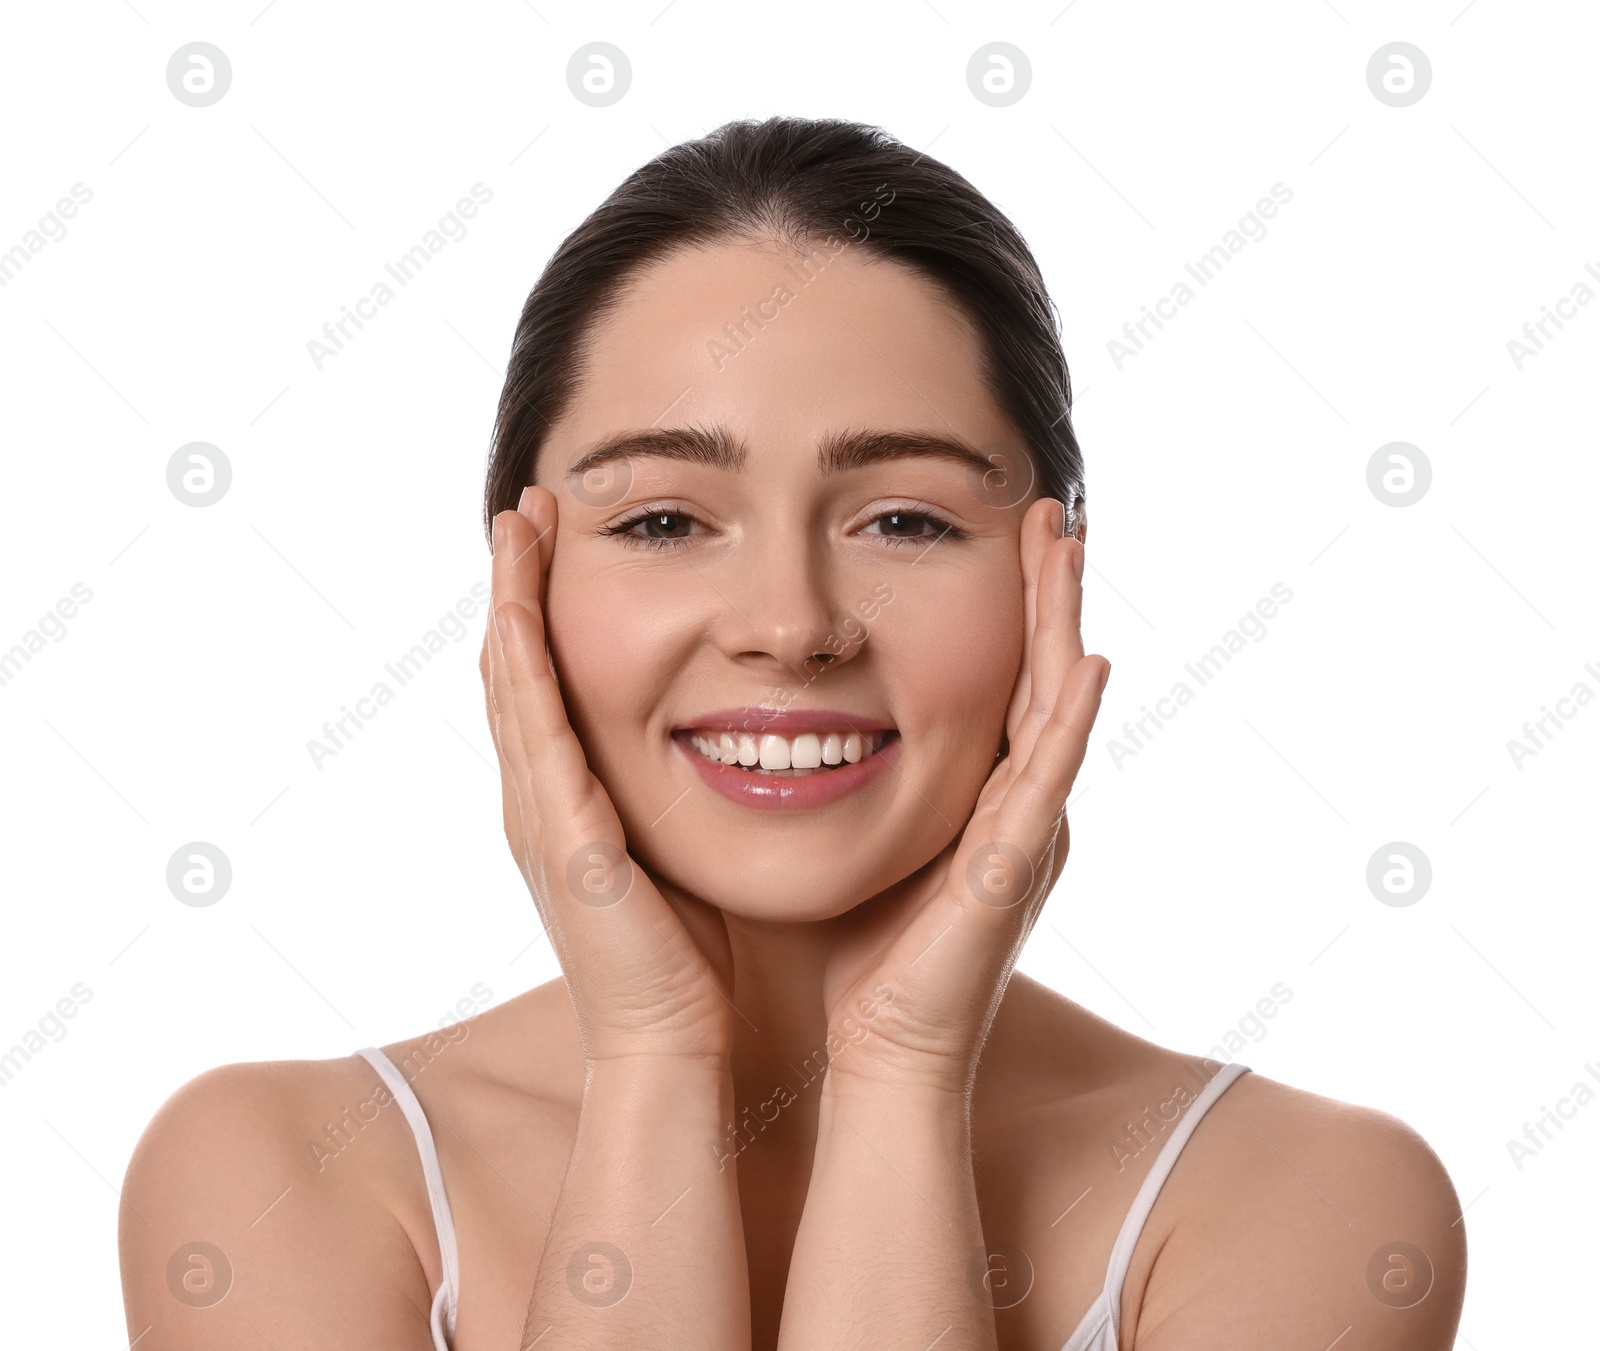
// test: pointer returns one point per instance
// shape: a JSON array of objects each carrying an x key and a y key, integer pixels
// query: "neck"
[
  {"x": 781, "y": 1046},
  {"x": 780, "y": 1024}
]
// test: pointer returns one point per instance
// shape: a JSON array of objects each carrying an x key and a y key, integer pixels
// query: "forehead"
[{"x": 782, "y": 347}]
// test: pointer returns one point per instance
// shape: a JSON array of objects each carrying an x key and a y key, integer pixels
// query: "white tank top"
[{"x": 1097, "y": 1332}]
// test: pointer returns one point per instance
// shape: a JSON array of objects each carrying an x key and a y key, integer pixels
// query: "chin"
[{"x": 776, "y": 889}]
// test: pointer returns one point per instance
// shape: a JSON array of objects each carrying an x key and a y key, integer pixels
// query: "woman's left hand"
[{"x": 913, "y": 987}]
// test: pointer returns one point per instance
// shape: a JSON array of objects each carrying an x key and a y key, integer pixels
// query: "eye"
[
  {"x": 653, "y": 529},
  {"x": 904, "y": 526}
]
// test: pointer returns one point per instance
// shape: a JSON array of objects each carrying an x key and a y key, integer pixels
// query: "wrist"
[
  {"x": 887, "y": 1060},
  {"x": 939, "y": 1086},
  {"x": 906, "y": 1119},
  {"x": 654, "y": 1067},
  {"x": 688, "y": 1086},
  {"x": 666, "y": 1041}
]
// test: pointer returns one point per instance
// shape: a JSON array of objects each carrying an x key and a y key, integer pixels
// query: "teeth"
[{"x": 769, "y": 753}]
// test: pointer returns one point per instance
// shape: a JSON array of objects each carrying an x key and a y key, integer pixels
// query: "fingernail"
[
  {"x": 522, "y": 502},
  {"x": 1077, "y": 562},
  {"x": 1061, "y": 518},
  {"x": 494, "y": 535},
  {"x": 500, "y": 626},
  {"x": 1105, "y": 675}
]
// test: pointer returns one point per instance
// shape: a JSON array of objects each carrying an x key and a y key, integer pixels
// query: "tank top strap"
[
  {"x": 444, "y": 1303},
  {"x": 1145, "y": 1200}
]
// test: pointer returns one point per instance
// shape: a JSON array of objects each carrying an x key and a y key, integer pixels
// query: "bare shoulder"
[
  {"x": 272, "y": 1197},
  {"x": 1292, "y": 1217}
]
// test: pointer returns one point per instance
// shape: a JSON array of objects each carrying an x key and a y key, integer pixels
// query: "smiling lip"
[
  {"x": 783, "y": 721},
  {"x": 777, "y": 793},
  {"x": 786, "y": 793}
]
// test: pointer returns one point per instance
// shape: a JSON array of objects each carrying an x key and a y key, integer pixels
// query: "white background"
[{"x": 1229, "y": 854}]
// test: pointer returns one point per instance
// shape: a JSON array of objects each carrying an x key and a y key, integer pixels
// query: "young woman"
[{"x": 787, "y": 682}]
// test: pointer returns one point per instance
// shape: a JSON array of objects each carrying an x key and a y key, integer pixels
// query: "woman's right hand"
[{"x": 648, "y": 968}]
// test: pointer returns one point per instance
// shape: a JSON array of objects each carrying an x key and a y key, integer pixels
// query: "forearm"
[
  {"x": 646, "y": 1241},
  {"x": 890, "y": 1246}
]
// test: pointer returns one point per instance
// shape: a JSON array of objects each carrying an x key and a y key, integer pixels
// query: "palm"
[
  {"x": 648, "y": 968},
  {"x": 944, "y": 939}
]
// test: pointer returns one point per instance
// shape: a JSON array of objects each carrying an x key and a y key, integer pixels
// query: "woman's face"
[{"x": 789, "y": 577}]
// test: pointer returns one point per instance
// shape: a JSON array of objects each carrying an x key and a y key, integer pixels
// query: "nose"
[{"x": 788, "y": 615}]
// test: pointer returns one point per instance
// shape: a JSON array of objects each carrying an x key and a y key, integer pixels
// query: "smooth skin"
[{"x": 828, "y": 980}]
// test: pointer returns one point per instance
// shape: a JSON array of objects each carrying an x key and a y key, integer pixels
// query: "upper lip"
[{"x": 784, "y": 721}]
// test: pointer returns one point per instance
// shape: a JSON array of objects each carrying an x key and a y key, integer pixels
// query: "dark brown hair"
[{"x": 799, "y": 180}]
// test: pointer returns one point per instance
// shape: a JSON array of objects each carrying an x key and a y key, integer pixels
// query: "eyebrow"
[{"x": 718, "y": 448}]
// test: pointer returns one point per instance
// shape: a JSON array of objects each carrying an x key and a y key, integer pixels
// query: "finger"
[
  {"x": 1037, "y": 793},
  {"x": 520, "y": 815},
  {"x": 510, "y": 810},
  {"x": 497, "y": 688},
  {"x": 547, "y": 763},
  {"x": 1057, "y": 640},
  {"x": 538, "y": 505},
  {"x": 511, "y": 558},
  {"x": 545, "y": 768},
  {"x": 1040, "y": 525}
]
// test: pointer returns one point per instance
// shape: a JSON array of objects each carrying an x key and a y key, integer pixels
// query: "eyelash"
[{"x": 622, "y": 530}]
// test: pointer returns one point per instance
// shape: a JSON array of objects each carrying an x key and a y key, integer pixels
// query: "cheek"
[
  {"x": 620, "y": 644},
  {"x": 956, "y": 655},
  {"x": 598, "y": 649},
  {"x": 953, "y": 665}
]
